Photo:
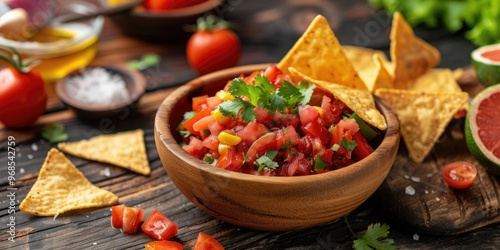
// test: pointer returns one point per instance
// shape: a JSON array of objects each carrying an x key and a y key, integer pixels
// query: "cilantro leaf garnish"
[
  {"x": 262, "y": 94},
  {"x": 266, "y": 162},
  {"x": 348, "y": 145},
  {"x": 54, "y": 133},
  {"x": 375, "y": 237}
]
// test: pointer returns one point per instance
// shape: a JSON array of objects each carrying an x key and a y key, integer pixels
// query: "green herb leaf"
[
  {"x": 54, "y": 133},
  {"x": 320, "y": 164},
  {"x": 208, "y": 158},
  {"x": 348, "y": 145},
  {"x": 368, "y": 132},
  {"x": 266, "y": 162},
  {"x": 288, "y": 143},
  {"x": 262, "y": 94},
  {"x": 375, "y": 237},
  {"x": 232, "y": 108}
]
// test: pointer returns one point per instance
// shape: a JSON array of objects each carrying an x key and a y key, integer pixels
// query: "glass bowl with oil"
[{"x": 62, "y": 47}]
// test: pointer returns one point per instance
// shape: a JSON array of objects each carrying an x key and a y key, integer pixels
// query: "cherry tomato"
[
  {"x": 159, "y": 226},
  {"x": 161, "y": 5},
  {"x": 212, "y": 49},
  {"x": 205, "y": 241},
  {"x": 459, "y": 174},
  {"x": 162, "y": 245},
  {"x": 22, "y": 97}
]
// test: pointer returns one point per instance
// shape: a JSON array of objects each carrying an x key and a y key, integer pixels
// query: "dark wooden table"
[{"x": 267, "y": 29}]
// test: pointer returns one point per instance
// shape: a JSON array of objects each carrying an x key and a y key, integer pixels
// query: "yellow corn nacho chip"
[
  {"x": 371, "y": 66},
  {"x": 411, "y": 56},
  {"x": 125, "y": 149},
  {"x": 319, "y": 55},
  {"x": 437, "y": 80},
  {"x": 358, "y": 100},
  {"x": 61, "y": 187},
  {"x": 423, "y": 116}
]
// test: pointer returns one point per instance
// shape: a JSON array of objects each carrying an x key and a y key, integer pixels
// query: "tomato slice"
[
  {"x": 260, "y": 146},
  {"x": 459, "y": 175},
  {"x": 207, "y": 242},
  {"x": 159, "y": 226},
  {"x": 162, "y": 245},
  {"x": 117, "y": 216},
  {"x": 132, "y": 217}
]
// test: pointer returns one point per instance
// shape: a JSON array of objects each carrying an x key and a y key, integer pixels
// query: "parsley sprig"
[{"x": 263, "y": 94}]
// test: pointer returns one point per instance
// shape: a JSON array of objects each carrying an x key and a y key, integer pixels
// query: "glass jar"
[{"x": 62, "y": 47}]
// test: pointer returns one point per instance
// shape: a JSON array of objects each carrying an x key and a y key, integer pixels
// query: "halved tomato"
[{"x": 459, "y": 174}]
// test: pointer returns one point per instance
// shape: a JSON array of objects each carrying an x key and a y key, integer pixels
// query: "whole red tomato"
[
  {"x": 160, "y": 5},
  {"x": 22, "y": 96},
  {"x": 213, "y": 47}
]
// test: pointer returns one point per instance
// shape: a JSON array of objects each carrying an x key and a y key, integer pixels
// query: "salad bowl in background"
[{"x": 264, "y": 202}]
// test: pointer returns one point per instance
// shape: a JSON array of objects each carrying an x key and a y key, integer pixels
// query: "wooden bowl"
[
  {"x": 264, "y": 202},
  {"x": 134, "y": 82},
  {"x": 161, "y": 26}
]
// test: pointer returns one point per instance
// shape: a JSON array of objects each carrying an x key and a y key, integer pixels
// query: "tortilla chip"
[
  {"x": 384, "y": 78},
  {"x": 411, "y": 56},
  {"x": 370, "y": 65},
  {"x": 423, "y": 116},
  {"x": 437, "y": 80},
  {"x": 61, "y": 187},
  {"x": 125, "y": 149},
  {"x": 358, "y": 100},
  {"x": 319, "y": 55}
]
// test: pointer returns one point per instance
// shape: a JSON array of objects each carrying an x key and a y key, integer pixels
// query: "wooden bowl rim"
[
  {"x": 138, "y": 81},
  {"x": 176, "y": 13},
  {"x": 391, "y": 138}
]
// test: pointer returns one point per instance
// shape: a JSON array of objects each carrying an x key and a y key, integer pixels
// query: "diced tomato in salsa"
[{"x": 303, "y": 139}]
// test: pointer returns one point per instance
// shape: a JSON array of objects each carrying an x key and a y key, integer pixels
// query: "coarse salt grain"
[
  {"x": 409, "y": 190},
  {"x": 97, "y": 86},
  {"x": 416, "y": 237}
]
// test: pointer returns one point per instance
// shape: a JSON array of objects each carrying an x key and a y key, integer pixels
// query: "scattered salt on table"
[
  {"x": 97, "y": 86},
  {"x": 409, "y": 190}
]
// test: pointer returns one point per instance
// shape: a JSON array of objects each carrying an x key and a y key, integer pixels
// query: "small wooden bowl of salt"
[{"x": 102, "y": 92}]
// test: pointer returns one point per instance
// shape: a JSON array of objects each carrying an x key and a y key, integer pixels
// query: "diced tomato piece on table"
[
  {"x": 132, "y": 217},
  {"x": 207, "y": 242},
  {"x": 163, "y": 245},
  {"x": 117, "y": 216},
  {"x": 159, "y": 226}
]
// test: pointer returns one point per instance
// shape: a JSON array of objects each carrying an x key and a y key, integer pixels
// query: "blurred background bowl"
[
  {"x": 161, "y": 26},
  {"x": 263, "y": 202},
  {"x": 134, "y": 82},
  {"x": 62, "y": 47}
]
